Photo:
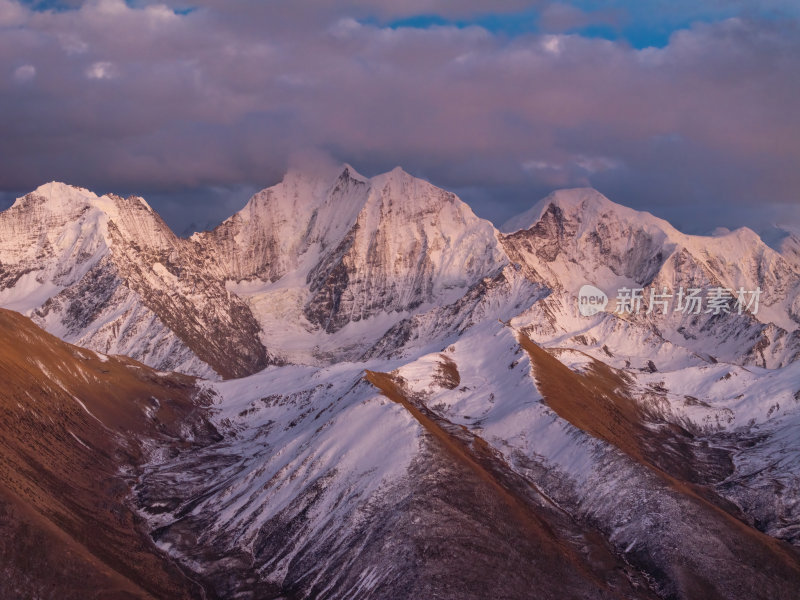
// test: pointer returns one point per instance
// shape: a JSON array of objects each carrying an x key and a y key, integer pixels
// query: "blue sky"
[{"x": 638, "y": 23}]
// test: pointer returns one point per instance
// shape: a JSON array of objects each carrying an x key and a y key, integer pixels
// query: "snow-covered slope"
[
  {"x": 625, "y": 468},
  {"x": 329, "y": 486},
  {"x": 790, "y": 249},
  {"x": 438, "y": 477}
]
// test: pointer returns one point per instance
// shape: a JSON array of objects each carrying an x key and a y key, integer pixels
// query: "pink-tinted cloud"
[{"x": 141, "y": 97}]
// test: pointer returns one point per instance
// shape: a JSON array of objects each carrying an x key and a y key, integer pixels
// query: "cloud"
[
  {"x": 101, "y": 70},
  {"x": 223, "y": 95},
  {"x": 24, "y": 73},
  {"x": 597, "y": 164},
  {"x": 12, "y": 13}
]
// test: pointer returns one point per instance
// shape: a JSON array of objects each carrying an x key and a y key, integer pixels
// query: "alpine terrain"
[{"x": 356, "y": 388}]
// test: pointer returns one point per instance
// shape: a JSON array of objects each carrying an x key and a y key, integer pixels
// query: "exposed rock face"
[{"x": 411, "y": 244}]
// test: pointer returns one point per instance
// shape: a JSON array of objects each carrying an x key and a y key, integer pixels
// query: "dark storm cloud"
[{"x": 214, "y": 97}]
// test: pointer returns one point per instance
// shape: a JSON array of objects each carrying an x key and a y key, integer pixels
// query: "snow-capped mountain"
[
  {"x": 107, "y": 273},
  {"x": 315, "y": 271},
  {"x": 576, "y": 237},
  {"x": 329, "y": 266},
  {"x": 414, "y": 404},
  {"x": 310, "y": 271}
]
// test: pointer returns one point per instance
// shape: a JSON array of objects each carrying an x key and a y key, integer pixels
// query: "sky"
[{"x": 689, "y": 109}]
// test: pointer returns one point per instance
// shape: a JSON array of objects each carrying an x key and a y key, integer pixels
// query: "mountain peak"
[
  {"x": 63, "y": 200},
  {"x": 59, "y": 188},
  {"x": 399, "y": 181},
  {"x": 348, "y": 172},
  {"x": 398, "y": 171},
  {"x": 586, "y": 205},
  {"x": 585, "y": 197},
  {"x": 570, "y": 200},
  {"x": 318, "y": 178},
  {"x": 58, "y": 195}
]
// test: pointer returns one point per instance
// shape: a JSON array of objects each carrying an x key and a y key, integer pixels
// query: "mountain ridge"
[{"x": 320, "y": 267}]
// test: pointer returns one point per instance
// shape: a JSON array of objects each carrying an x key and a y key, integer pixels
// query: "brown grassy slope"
[
  {"x": 591, "y": 402},
  {"x": 563, "y": 559},
  {"x": 66, "y": 530},
  {"x": 599, "y": 403},
  {"x": 447, "y": 374}
]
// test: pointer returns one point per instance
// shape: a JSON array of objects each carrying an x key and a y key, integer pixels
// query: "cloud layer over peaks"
[{"x": 499, "y": 101}]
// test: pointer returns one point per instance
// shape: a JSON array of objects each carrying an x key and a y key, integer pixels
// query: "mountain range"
[{"x": 356, "y": 388}]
